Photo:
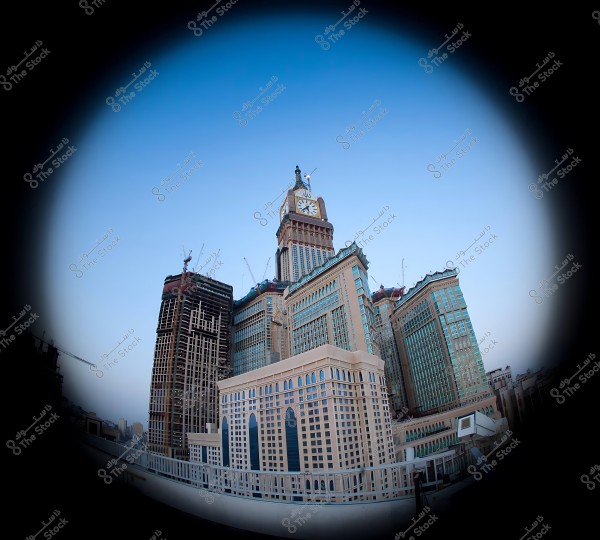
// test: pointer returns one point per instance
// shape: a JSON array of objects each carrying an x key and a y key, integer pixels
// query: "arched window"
[
  {"x": 253, "y": 438},
  {"x": 290, "y": 384},
  {"x": 313, "y": 378},
  {"x": 260, "y": 391},
  {"x": 291, "y": 438},
  {"x": 360, "y": 377},
  {"x": 299, "y": 381},
  {"x": 307, "y": 379},
  {"x": 343, "y": 375},
  {"x": 225, "y": 441},
  {"x": 337, "y": 374},
  {"x": 276, "y": 387},
  {"x": 285, "y": 386},
  {"x": 321, "y": 375}
]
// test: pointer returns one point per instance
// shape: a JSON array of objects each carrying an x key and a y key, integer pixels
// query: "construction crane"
[
  {"x": 266, "y": 268},
  {"x": 252, "y": 276},
  {"x": 63, "y": 351}
]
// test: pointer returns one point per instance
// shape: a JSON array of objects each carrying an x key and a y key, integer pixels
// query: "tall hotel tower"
[
  {"x": 192, "y": 353},
  {"x": 438, "y": 349},
  {"x": 383, "y": 306},
  {"x": 304, "y": 236}
]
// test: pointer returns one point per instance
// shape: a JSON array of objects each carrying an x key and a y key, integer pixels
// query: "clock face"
[
  {"x": 306, "y": 207},
  {"x": 284, "y": 209}
]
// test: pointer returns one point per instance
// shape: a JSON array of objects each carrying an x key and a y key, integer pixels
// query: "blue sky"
[{"x": 189, "y": 107}]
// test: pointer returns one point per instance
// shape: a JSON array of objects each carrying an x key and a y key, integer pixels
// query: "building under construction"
[{"x": 192, "y": 353}]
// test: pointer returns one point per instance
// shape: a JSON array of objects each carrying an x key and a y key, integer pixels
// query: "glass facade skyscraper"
[
  {"x": 383, "y": 306},
  {"x": 259, "y": 338},
  {"x": 438, "y": 349}
]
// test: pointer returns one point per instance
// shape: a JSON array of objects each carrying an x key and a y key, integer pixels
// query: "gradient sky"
[{"x": 189, "y": 107}]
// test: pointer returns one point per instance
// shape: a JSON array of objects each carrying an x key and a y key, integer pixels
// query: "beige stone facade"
[
  {"x": 325, "y": 409},
  {"x": 332, "y": 305}
]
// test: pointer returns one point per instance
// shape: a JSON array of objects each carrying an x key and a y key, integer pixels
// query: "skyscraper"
[
  {"x": 259, "y": 336},
  {"x": 304, "y": 236},
  {"x": 438, "y": 349},
  {"x": 192, "y": 353},
  {"x": 332, "y": 305},
  {"x": 383, "y": 307}
]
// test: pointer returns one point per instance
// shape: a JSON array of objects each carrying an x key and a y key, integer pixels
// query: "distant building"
[
  {"x": 137, "y": 428},
  {"x": 383, "y": 307},
  {"x": 324, "y": 409},
  {"x": 191, "y": 355},
  {"x": 435, "y": 433},
  {"x": 438, "y": 349},
  {"x": 500, "y": 377},
  {"x": 123, "y": 432},
  {"x": 259, "y": 336}
]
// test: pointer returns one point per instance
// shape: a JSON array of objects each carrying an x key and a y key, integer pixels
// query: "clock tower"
[{"x": 304, "y": 236}]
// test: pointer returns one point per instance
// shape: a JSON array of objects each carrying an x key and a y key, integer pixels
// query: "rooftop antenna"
[{"x": 307, "y": 176}]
